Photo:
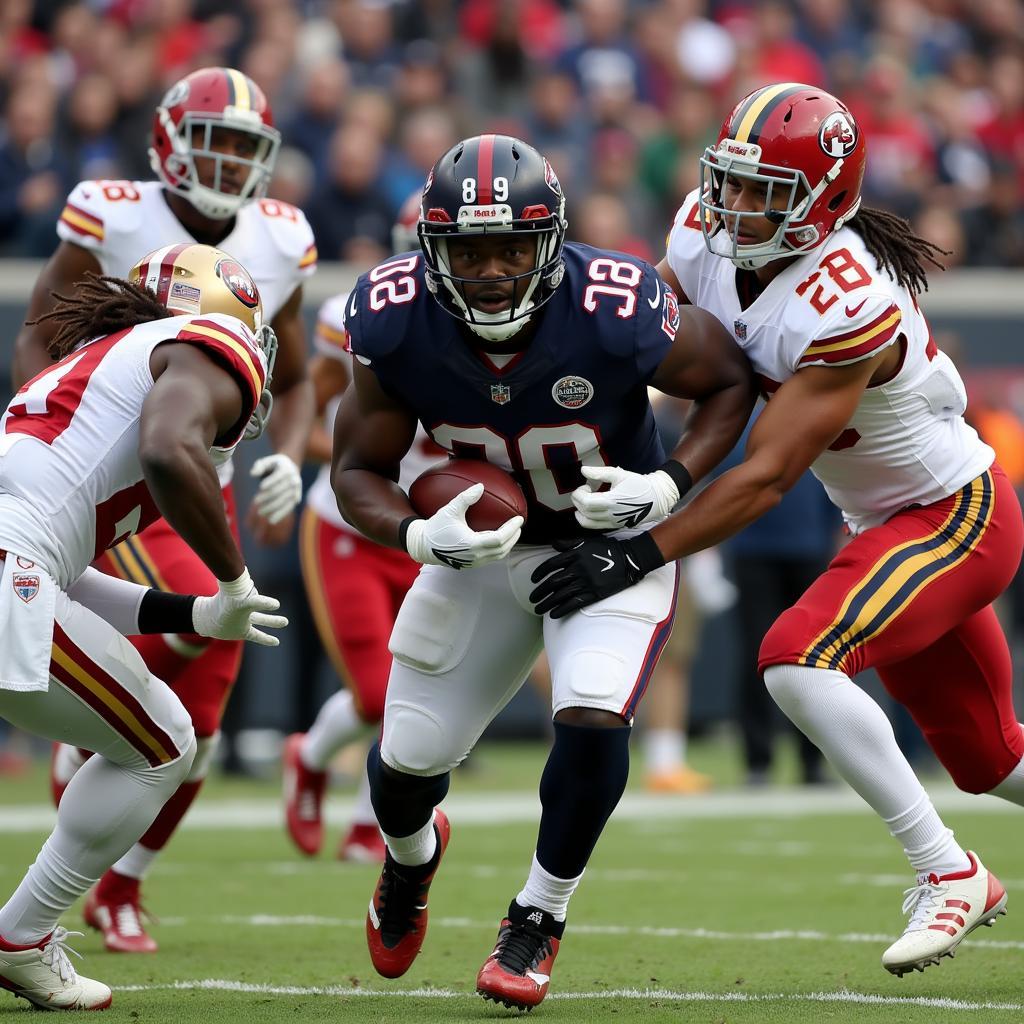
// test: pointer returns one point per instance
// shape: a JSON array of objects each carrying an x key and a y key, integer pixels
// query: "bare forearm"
[
  {"x": 373, "y": 504},
  {"x": 292, "y": 420},
  {"x": 185, "y": 488},
  {"x": 713, "y": 428},
  {"x": 729, "y": 504}
]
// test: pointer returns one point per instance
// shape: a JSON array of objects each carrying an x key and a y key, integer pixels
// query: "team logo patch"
[
  {"x": 177, "y": 93},
  {"x": 551, "y": 179},
  {"x": 670, "y": 314},
  {"x": 237, "y": 278},
  {"x": 572, "y": 392},
  {"x": 741, "y": 330},
  {"x": 25, "y": 586},
  {"x": 837, "y": 135},
  {"x": 500, "y": 393}
]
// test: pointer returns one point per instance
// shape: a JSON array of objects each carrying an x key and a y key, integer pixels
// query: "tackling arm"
[
  {"x": 193, "y": 402},
  {"x": 372, "y": 433},
  {"x": 65, "y": 268},
  {"x": 821, "y": 401}
]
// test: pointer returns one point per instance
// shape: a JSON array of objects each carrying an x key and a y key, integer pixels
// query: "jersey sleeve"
[
  {"x": 230, "y": 344},
  {"x": 657, "y": 322},
  {"x": 859, "y": 328},
  {"x": 83, "y": 219},
  {"x": 685, "y": 244},
  {"x": 330, "y": 337}
]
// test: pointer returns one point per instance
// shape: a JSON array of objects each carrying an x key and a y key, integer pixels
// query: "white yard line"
[
  {"x": 648, "y": 995},
  {"x": 514, "y": 807}
]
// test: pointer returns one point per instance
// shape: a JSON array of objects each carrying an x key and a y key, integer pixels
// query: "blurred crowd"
[{"x": 622, "y": 95}]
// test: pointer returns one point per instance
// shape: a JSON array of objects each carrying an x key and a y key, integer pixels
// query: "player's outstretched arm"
[
  {"x": 372, "y": 433},
  {"x": 193, "y": 402},
  {"x": 802, "y": 419},
  {"x": 65, "y": 268}
]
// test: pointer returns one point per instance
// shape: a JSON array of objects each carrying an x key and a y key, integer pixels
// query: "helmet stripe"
[
  {"x": 159, "y": 272},
  {"x": 751, "y": 119},
  {"x": 485, "y": 170},
  {"x": 240, "y": 89}
]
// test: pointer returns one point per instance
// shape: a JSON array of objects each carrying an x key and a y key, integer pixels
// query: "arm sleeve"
[
  {"x": 81, "y": 220},
  {"x": 115, "y": 600},
  {"x": 861, "y": 329}
]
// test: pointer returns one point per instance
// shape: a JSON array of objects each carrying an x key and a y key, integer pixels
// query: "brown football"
[{"x": 502, "y": 497}]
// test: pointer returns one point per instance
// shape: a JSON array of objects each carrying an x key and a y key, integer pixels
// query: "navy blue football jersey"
[{"x": 577, "y": 395}]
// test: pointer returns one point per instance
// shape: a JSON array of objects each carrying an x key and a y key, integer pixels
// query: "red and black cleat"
[
  {"x": 396, "y": 922},
  {"x": 518, "y": 972}
]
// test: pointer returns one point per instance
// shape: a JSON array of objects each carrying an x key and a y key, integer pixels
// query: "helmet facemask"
[
  {"x": 544, "y": 277},
  {"x": 721, "y": 226},
  {"x": 192, "y": 139}
]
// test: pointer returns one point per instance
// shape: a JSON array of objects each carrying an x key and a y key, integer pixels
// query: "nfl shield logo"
[
  {"x": 741, "y": 330},
  {"x": 25, "y": 586},
  {"x": 500, "y": 393}
]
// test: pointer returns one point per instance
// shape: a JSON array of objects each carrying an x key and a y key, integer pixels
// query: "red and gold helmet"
[
  {"x": 183, "y": 132},
  {"x": 796, "y": 139}
]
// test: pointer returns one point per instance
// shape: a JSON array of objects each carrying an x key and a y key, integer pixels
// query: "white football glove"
[
  {"x": 634, "y": 498},
  {"x": 280, "y": 487},
  {"x": 446, "y": 539},
  {"x": 234, "y": 612}
]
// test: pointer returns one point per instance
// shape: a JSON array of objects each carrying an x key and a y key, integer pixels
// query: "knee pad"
[
  {"x": 403, "y": 803},
  {"x": 414, "y": 741},
  {"x": 206, "y": 747},
  {"x": 433, "y": 631}
]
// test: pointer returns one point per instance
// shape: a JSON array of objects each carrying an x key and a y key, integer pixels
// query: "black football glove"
[{"x": 586, "y": 571}]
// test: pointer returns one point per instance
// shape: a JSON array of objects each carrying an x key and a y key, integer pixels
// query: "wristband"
[
  {"x": 403, "y": 530},
  {"x": 679, "y": 473},
  {"x": 644, "y": 552},
  {"x": 160, "y": 612}
]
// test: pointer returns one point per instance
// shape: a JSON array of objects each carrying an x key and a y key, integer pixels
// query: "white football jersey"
[
  {"x": 71, "y": 484},
  {"x": 330, "y": 339},
  {"x": 907, "y": 442},
  {"x": 120, "y": 221}
]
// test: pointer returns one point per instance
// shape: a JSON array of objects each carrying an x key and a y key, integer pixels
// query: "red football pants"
[
  {"x": 912, "y": 598},
  {"x": 355, "y": 588},
  {"x": 201, "y": 671}
]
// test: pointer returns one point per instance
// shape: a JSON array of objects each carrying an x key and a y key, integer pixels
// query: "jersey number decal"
[
  {"x": 114, "y": 191},
  {"x": 844, "y": 272},
  {"x": 389, "y": 286},
  {"x": 276, "y": 208},
  {"x": 550, "y": 456},
  {"x": 617, "y": 279},
  {"x": 122, "y": 515}
]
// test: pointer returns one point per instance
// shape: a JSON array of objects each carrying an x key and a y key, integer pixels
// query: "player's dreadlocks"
[
  {"x": 102, "y": 305},
  {"x": 898, "y": 250}
]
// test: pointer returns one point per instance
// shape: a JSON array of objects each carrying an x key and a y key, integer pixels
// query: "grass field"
[{"x": 735, "y": 907}]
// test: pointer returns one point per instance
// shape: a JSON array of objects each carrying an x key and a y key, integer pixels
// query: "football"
[{"x": 502, "y": 497}]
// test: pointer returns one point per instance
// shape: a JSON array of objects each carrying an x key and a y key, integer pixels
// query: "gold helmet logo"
[{"x": 199, "y": 279}]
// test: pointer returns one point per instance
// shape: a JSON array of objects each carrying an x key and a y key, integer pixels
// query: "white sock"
[
  {"x": 1012, "y": 787},
  {"x": 105, "y": 809},
  {"x": 853, "y": 732},
  {"x": 335, "y": 725},
  {"x": 136, "y": 862},
  {"x": 664, "y": 750},
  {"x": 928, "y": 844},
  {"x": 415, "y": 849},
  {"x": 547, "y": 892},
  {"x": 362, "y": 809}
]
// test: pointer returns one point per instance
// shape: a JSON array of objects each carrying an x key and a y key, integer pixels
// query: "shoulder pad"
[
  {"x": 330, "y": 337},
  {"x": 383, "y": 304},
  {"x": 290, "y": 232}
]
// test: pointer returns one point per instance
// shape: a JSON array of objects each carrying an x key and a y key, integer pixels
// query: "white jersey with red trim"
[
  {"x": 71, "y": 483},
  {"x": 331, "y": 340},
  {"x": 120, "y": 221},
  {"x": 907, "y": 442}
]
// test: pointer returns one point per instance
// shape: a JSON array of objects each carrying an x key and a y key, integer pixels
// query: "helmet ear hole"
[{"x": 836, "y": 201}]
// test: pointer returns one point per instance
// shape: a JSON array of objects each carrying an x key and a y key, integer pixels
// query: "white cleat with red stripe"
[
  {"x": 943, "y": 911},
  {"x": 44, "y": 976}
]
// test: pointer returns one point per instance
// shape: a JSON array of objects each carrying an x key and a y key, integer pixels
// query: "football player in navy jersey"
[{"x": 512, "y": 346}]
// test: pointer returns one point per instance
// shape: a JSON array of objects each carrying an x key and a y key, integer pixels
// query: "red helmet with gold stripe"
[
  {"x": 796, "y": 140},
  {"x": 193, "y": 154}
]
